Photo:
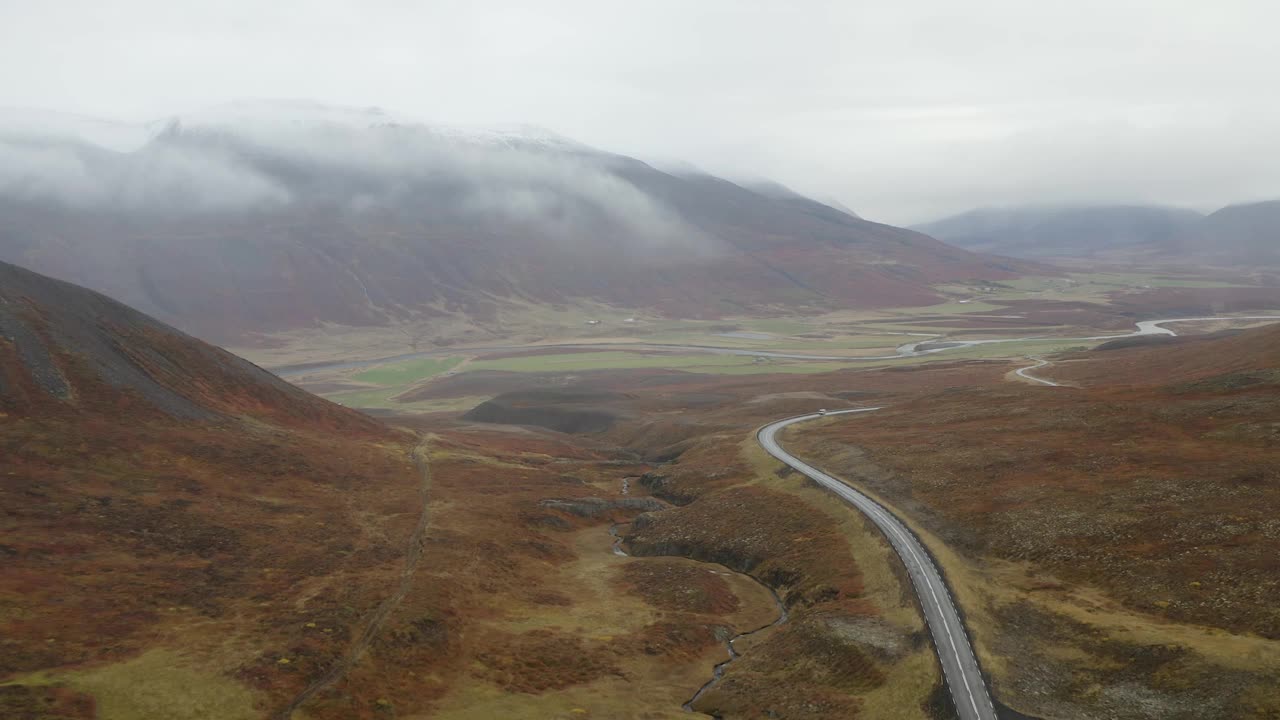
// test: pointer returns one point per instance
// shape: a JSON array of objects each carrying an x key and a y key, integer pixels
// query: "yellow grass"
[
  {"x": 982, "y": 585},
  {"x": 599, "y": 612},
  {"x": 158, "y": 684},
  {"x": 912, "y": 678}
]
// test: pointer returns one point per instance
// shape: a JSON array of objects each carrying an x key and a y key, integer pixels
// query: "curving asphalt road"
[{"x": 959, "y": 665}]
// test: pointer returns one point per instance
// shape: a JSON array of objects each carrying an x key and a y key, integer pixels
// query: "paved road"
[
  {"x": 959, "y": 665},
  {"x": 1040, "y": 362}
]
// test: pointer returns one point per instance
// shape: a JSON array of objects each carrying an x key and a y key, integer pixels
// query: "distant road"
[
  {"x": 1040, "y": 362},
  {"x": 933, "y": 346},
  {"x": 959, "y": 665}
]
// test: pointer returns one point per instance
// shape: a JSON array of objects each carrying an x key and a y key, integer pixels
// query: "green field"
[
  {"x": 400, "y": 377},
  {"x": 381, "y": 399},
  {"x": 618, "y": 359},
  {"x": 415, "y": 371},
  {"x": 409, "y": 371},
  {"x": 393, "y": 379}
]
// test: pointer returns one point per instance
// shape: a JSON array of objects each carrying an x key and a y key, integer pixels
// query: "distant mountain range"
[
  {"x": 1245, "y": 232},
  {"x": 1239, "y": 234},
  {"x": 269, "y": 216}
]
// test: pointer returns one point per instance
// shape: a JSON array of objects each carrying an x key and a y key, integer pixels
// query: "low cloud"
[
  {"x": 556, "y": 189},
  {"x": 156, "y": 178}
]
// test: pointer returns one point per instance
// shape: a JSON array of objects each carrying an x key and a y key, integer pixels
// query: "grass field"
[
  {"x": 617, "y": 359},
  {"x": 400, "y": 377},
  {"x": 410, "y": 371},
  {"x": 382, "y": 399},
  {"x": 842, "y": 332},
  {"x": 395, "y": 378}
]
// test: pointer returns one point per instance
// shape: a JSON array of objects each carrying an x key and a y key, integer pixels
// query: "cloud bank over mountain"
[
  {"x": 906, "y": 111},
  {"x": 256, "y": 155}
]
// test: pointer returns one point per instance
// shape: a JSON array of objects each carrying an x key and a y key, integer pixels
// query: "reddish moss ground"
[
  {"x": 1152, "y": 493},
  {"x": 678, "y": 587}
]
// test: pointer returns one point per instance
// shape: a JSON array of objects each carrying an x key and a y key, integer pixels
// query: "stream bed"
[{"x": 718, "y": 670}]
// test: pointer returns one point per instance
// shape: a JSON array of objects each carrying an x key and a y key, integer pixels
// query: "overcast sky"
[{"x": 903, "y": 111}]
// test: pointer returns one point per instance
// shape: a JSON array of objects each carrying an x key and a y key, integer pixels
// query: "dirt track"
[{"x": 413, "y": 556}]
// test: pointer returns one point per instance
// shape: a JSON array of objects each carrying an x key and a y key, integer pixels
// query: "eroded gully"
[{"x": 718, "y": 670}]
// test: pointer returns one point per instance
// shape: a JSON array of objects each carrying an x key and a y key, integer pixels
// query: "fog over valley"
[{"x": 728, "y": 359}]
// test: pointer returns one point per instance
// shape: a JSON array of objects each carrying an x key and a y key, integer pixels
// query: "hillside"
[
  {"x": 69, "y": 350},
  {"x": 169, "y": 510},
  {"x": 1042, "y": 232},
  {"x": 186, "y": 537},
  {"x": 270, "y": 217},
  {"x": 1233, "y": 360},
  {"x": 1116, "y": 535}
]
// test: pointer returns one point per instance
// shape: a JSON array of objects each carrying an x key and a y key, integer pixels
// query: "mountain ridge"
[
  {"x": 1237, "y": 234},
  {"x": 227, "y": 231}
]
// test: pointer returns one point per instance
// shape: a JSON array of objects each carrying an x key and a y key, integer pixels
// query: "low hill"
[
  {"x": 568, "y": 411},
  {"x": 65, "y": 349},
  {"x": 1232, "y": 359},
  {"x": 1118, "y": 534},
  {"x": 275, "y": 216}
]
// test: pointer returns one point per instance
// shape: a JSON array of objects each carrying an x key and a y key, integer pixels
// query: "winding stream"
[
  {"x": 617, "y": 539},
  {"x": 717, "y": 672}
]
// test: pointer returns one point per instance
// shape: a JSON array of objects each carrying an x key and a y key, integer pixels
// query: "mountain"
[
  {"x": 263, "y": 217},
  {"x": 1040, "y": 232},
  {"x": 170, "y": 509},
  {"x": 1243, "y": 233},
  {"x": 1235, "y": 235}
]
